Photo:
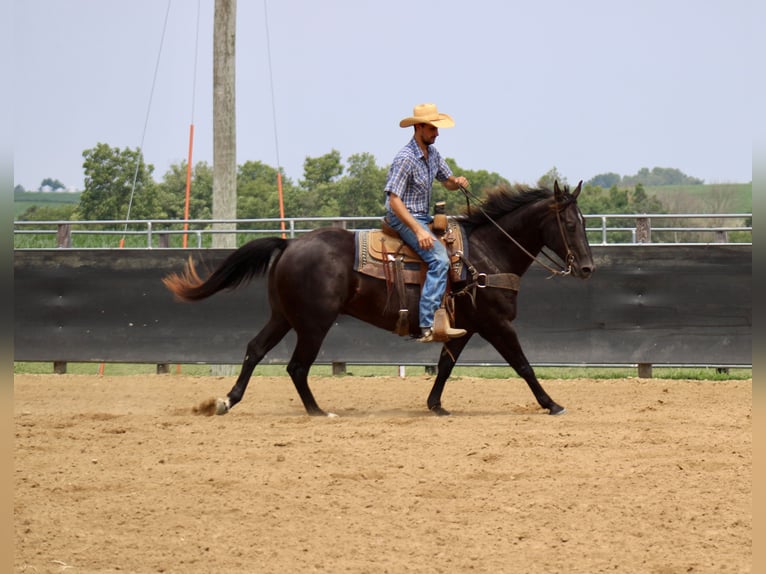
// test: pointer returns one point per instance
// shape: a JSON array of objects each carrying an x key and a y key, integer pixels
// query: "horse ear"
[
  {"x": 577, "y": 190},
  {"x": 556, "y": 190}
]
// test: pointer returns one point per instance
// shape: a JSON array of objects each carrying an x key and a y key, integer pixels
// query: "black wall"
[{"x": 658, "y": 304}]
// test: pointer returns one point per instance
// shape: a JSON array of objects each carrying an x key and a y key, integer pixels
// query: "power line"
[
  {"x": 274, "y": 116},
  {"x": 271, "y": 82},
  {"x": 146, "y": 120}
]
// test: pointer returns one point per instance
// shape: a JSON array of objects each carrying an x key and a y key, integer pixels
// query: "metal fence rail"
[{"x": 603, "y": 229}]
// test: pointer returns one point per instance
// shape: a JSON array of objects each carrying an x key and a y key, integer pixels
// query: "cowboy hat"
[{"x": 427, "y": 114}]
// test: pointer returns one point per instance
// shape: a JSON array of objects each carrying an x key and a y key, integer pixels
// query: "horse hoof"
[
  {"x": 440, "y": 412},
  {"x": 221, "y": 406},
  {"x": 332, "y": 416},
  {"x": 207, "y": 408},
  {"x": 557, "y": 410}
]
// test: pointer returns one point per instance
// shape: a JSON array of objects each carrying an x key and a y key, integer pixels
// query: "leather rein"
[{"x": 562, "y": 271}]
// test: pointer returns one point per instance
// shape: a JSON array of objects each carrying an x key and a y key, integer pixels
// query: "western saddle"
[{"x": 383, "y": 254}]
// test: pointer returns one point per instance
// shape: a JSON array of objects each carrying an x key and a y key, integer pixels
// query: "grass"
[
  {"x": 489, "y": 372},
  {"x": 708, "y": 198},
  {"x": 26, "y": 199}
]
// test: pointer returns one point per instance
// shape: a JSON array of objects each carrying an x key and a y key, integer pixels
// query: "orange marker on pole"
[
  {"x": 281, "y": 202},
  {"x": 188, "y": 183}
]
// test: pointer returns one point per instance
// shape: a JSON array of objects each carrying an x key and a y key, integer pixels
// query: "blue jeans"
[{"x": 438, "y": 263}]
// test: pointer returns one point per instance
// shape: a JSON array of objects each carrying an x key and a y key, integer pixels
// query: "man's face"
[{"x": 428, "y": 133}]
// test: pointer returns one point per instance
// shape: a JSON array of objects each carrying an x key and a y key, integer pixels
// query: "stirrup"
[{"x": 427, "y": 336}]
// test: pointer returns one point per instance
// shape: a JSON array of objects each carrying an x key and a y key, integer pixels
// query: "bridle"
[{"x": 558, "y": 208}]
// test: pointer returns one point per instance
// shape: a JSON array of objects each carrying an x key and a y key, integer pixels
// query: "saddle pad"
[{"x": 374, "y": 249}]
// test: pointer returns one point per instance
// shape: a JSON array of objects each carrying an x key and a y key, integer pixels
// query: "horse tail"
[{"x": 240, "y": 267}]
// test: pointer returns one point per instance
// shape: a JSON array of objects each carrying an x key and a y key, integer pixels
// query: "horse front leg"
[
  {"x": 447, "y": 359},
  {"x": 544, "y": 400},
  {"x": 506, "y": 341}
]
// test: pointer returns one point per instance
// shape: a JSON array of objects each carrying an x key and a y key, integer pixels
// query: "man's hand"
[
  {"x": 425, "y": 239},
  {"x": 455, "y": 182},
  {"x": 461, "y": 181}
]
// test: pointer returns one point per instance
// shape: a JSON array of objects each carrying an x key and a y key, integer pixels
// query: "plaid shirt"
[{"x": 411, "y": 177}]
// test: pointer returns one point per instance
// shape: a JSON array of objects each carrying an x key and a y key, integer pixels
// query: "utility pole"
[
  {"x": 224, "y": 133},
  {"x": 224, "y": 121}
]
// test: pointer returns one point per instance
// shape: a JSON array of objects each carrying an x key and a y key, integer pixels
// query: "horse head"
[{"x": 568, "y": 238}]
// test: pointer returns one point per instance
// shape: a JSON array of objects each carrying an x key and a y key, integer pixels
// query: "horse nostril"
[{"x": 587, "y": 270}]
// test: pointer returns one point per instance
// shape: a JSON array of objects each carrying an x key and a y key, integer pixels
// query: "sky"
[{"x": 588, "y": 87}]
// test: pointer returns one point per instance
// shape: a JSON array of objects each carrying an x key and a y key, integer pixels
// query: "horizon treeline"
[{"x": 119, "y": 179}]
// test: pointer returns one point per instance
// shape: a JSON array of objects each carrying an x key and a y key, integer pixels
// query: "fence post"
[
  {"x": 643, "y": 230},
  {"x": 163, "y": 240},
  {"x": 339, "y": 368},
  {"x": 64, "y": 235},
  {"x": 644, "y": 235},
  {"x": 59, "y": 367},
  {"x": 644, "y": 370}
]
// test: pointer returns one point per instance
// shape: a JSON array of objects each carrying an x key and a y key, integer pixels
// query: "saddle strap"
[
  {"x": 509, "y": 281},
  {"x": 403, "y": 321},
  {"x": 499, "y": 280}
]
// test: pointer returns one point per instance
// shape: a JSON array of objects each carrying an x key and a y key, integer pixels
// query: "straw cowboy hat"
[{"x": 427, "y": 114}]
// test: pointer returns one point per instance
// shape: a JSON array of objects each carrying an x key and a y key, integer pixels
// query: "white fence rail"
[{"x": 603, "y": 229}]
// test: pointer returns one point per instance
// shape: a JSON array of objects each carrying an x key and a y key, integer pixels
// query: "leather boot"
[{"x": 442, "y": 330}]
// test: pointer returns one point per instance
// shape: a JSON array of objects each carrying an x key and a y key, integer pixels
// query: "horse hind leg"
[
  {"x": 262, "y": 343},
  {"x": 299, "y": 374}
]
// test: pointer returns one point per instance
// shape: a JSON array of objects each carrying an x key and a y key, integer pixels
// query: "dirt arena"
[{"x": 115, "y": 474}]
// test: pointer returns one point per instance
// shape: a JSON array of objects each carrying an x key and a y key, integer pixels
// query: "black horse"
[{"x": 311, "y": 280}]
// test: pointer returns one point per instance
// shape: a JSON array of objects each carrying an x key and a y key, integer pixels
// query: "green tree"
[
  {"x": 593, "y": 200},
  {"x": 109, "y": 178},
  {"x": 53, "y": 184},
  {"x": 660, "y": 176},
  {"x": 258, "y": 192},
  {"x": 605, "y": 180},
  {"x": 171, "y": 192},
  {"x": 480, "y": 181},
  {"x": 319, "y": 192},
  {"x": 321, "y": 170},
  {"x": 547, "y": 179},
  {"x": 360, "y": 191},
  {"x": 618, "y": 199},
  {"x": 641, "y": 202}
]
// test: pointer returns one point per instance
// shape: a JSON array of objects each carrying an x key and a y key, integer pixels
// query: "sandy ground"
[{"x": 115, "y": 474}]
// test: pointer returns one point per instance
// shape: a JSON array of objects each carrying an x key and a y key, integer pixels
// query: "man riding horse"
[{"x": 408, "y": 201}]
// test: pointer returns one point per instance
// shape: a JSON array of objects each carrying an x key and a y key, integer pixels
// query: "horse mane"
[{"x": 502, "y": 199}]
